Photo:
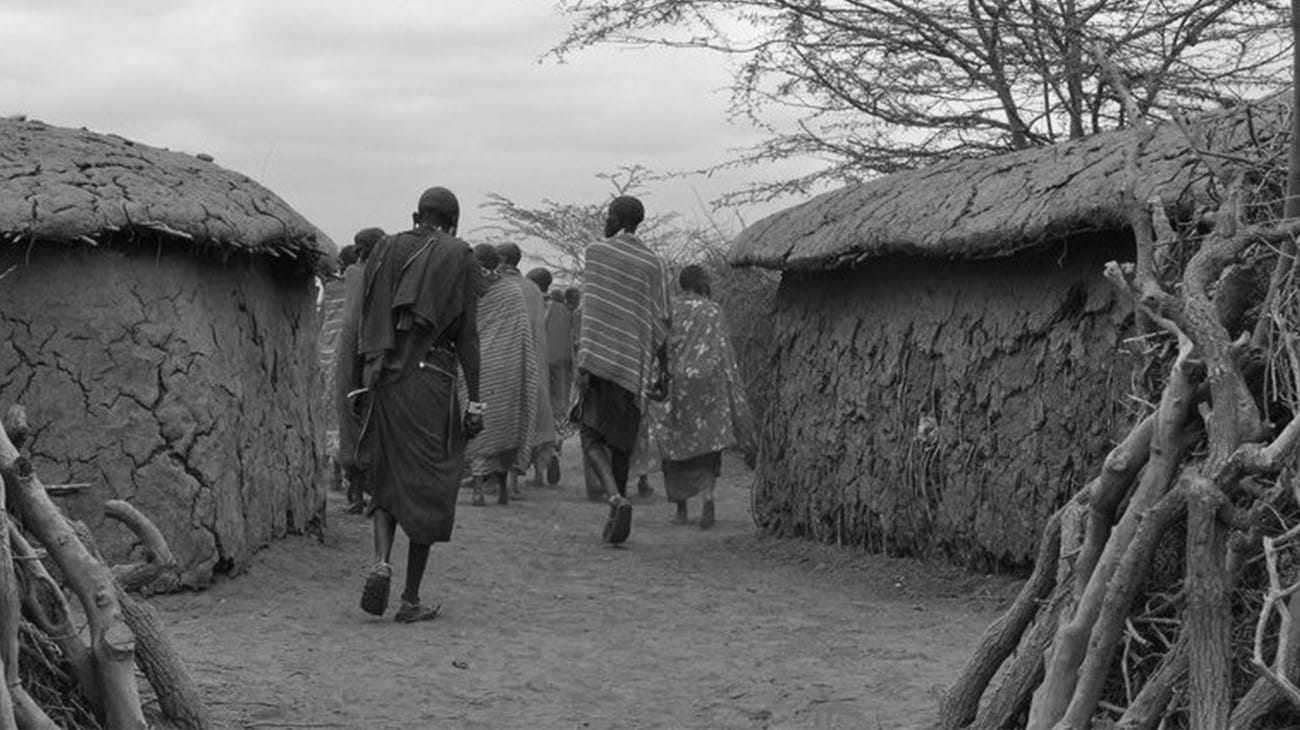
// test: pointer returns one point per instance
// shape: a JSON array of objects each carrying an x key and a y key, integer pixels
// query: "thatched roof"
[
  {"x": 996, "y": 206},
  {"x": 60, "y": 184}
]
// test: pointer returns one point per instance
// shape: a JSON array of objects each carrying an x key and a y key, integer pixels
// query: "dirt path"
[{"x": 545, "y": 627}]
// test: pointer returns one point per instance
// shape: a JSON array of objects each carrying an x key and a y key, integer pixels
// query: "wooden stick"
[
  {"x": 136, "y": 577},
  {"x": 961, "y": 702},
  {"x": 112, "y": 643},
  {"x": 45, "y": 606},
  {"x": 9, "y": 616}
]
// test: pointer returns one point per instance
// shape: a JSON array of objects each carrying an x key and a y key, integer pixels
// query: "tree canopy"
[{"x": 877, "y": 86}]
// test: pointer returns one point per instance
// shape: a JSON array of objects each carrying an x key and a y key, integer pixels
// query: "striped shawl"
[{"x": 625, "y": 312}]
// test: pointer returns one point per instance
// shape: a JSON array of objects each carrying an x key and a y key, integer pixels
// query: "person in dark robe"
[
  {"x": 622, "y": 353},
  {"x": 348, "y": 363},
  {"x": 418, "y": 321}
]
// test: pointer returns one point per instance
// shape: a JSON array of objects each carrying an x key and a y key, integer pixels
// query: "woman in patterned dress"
[{"x": 706, "y": 410}]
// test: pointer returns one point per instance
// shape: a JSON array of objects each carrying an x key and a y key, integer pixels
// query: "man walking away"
[
  {"x": 622, "y": 357},
  {"x": 418, "y": 320}
]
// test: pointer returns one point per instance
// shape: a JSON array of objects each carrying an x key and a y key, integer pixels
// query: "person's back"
[
  {"x": 622, "y": 359},
  {"x": 625, "y": 309},
  {"x": 559, "y": 333}
]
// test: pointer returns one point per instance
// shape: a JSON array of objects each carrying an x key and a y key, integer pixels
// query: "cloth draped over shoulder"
[
  {"x": 706, "y": 409},
  {"x": 559, "y": 343},
  {"x": 508, "y": 382},
  {"x": 412, "y": 281},
  {"x": 535, "y": 302},
  {"x": 625, "y": 313},
  {"x": 419, "y": 291},
  {"x": 347, "y": 365}
]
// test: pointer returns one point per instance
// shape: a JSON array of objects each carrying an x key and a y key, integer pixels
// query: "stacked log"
[{"x": 37, "y": 542}]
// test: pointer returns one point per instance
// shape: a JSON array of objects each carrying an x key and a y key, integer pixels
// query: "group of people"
[{"x": 452, "y": 363}]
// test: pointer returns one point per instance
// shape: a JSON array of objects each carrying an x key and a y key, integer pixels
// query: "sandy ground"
[{"x": 544, "y": 626}]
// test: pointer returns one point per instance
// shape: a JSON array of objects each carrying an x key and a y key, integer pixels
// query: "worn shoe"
[
  {"x": 707, "y": 519},
  {"x": 643, "y": 487},
  {"x": 619, "y": 524},
  {"x": 374, "y": 594},
  {"x": 409, "y": 613}
]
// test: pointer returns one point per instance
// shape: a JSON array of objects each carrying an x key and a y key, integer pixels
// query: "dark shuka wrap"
[
  {"x": 417, "y": 450},
  {"x": 611, "y": 411},
  {"x": 418, "y": 317}
]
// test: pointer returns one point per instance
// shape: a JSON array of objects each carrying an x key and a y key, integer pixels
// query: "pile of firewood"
[{"x": 58, "y": 673}]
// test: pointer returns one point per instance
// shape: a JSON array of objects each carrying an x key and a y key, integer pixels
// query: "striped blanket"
[
  {"x": 508, "y": 376},
  {"x": 625, "y": 312}
]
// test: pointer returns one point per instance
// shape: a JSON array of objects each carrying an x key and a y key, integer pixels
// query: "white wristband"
[{"x": 476, "y": 408}]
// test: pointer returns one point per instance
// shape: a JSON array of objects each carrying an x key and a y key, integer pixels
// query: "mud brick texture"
[{"x": 158, "y": 320}]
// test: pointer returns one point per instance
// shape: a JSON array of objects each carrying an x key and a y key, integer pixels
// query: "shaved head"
[
  {"x": 438, "y": 207},
  {"x": 510, "y": 254},
  {"x": 625, "y": 214}
]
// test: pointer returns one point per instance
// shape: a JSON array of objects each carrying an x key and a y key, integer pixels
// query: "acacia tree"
[
  {"x": 877, "y": 86},
  {"x": 565, "y": 229}
]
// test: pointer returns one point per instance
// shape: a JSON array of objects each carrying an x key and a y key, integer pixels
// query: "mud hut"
[
  {"x": 950, "y": 363},
  {"x": 158, "y": 321}
]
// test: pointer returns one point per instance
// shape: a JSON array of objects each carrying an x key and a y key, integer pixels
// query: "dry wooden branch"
[
  {"x": 961, "y": 702},
  {"x": 1069, "y": 647},
  {"x": 1121, "y": 467},
  {"x": 1146, "y": 709},
  {"x": 135, "y": 577},
  {"x": 1120, "y": 591},
  {"x": 112, "y": 643},
  {"x": 1025, "y": 672},
  {"x": 1208, "y": 616},
  {"x": 16, "y": 425},
  {"x": 45, "y": 606},
  {"x": 179, "y": 697},
  {"x": 1275, "y": 601},
  {"x": 9, "y": 616}
]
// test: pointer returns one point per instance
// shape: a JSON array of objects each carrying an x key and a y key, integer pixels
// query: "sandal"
[
  {"x": 410, "y": 613},
  {"x": 619, "y": 524},
  {"x": 374, "y": 594}
]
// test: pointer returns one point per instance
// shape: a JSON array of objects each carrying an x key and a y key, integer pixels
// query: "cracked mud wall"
[
  {"x": 943, "y": 408},
  {"x": 182, "y": 384}
]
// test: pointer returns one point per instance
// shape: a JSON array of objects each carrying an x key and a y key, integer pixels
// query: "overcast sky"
[{"x": 348, "y": 109}]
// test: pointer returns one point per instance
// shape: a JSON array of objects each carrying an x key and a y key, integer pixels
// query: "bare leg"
[
  {"x": 620, "y": 462},
  {"x": 707, "y": 518},
  {"x": 374, "y": 594},
  {"x": 541, "y": 459},
  {"x": 385, "y": 528},
  {"x": 417, "y": 558},
  {"x": 594, "y": 449}
]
